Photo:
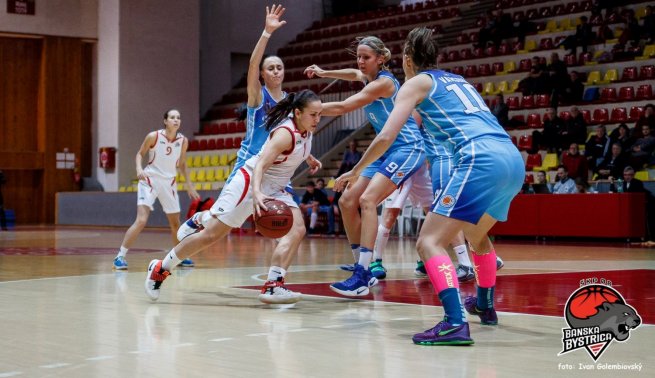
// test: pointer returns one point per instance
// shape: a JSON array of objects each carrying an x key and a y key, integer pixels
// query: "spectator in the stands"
[
  {"x": 583, "y": 36},
  {"x": 646, "y": 118},
  {"x": 350, "y": 158},
  {"x": 581, "y": 185},
  {"x": 631, "y": 30},
  {"x": 597, "y": 147},
  {"x": 621, "y": 135},
  {"x": 320, "y": 185},
  {"x": 559, "y": 77},
  {"x": 487, "y": 29},
  {"x": 504, "y": 27},
  {"x": 524, "y": 27},
  {"x": 612, "y": 165},
  {"x": 553, "y": 126},
  {"x": 564, "y": 184},
  {"x": 537, "y": 81},
  {"x": 576, "y": 164},
  {"x": 501, "y": 110},
  {"x": 313, "y": 202},
  {"x": 648, "y": 26},
  {"x": 574, "y": 89},
  {"x": 540, "y": 178},
  {"x": 642, "y": 149},
  {"x": 630, "y": 183},
  {"x": 575, "y": 128}
]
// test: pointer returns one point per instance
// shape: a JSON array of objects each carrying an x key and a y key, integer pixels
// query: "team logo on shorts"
[
  {"x": 447, "y": 201},
  {"x": 597, "y": 314},
  {"x": 400, "y": 174}
]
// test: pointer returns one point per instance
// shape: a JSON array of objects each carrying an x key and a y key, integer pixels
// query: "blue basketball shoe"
[
  {"x": 377, "y": 270},
  {"x": 120, "y": 263},
  {"x": 445, "y": 333},
  {"x": 487, "y": 317},
  {"x": 357, "y": 285},
  {"x": 186, "y": 263},
  {"x": 347, "y": 267}
]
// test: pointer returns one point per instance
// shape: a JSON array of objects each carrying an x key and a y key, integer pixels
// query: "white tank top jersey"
[
  {"x": 164, "y": 156},
  {"x": 279, "y": 174}
]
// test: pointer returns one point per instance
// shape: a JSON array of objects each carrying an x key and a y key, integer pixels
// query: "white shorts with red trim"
[
  {"x": 418, "y": 188},
  {"x": 159, "y": 188},
  {"x": 234, "y": 205}
]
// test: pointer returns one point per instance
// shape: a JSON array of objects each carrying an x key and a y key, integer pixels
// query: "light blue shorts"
[
  {"x": 487, "y": 174},
  {"x": 397, "y": 165}
]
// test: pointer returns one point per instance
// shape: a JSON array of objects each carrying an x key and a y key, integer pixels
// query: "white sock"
[
  {"x": 122, "y": 252},
  {"x": 365, "y": 256},
  {"x": 462, "y": 255},
  {"x": 312, "y": 220},
  {"x": 356, "y": 253},
  {"x": 274, "y": 272},
  {"x": 170, "y": 261},
  {"x": 380, "y": 242}
]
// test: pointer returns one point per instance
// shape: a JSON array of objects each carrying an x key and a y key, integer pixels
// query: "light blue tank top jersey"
[
  {"x": 455, "y": 113},
  {"x": 256, "y": 133},
  {"x": 434, "y": 151},
  {"x": 378, "y": 112}
]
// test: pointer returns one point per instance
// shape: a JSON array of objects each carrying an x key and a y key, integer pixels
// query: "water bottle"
[
  {"x": 619, "y": 186},
  {"x": 530, "y": 189}
]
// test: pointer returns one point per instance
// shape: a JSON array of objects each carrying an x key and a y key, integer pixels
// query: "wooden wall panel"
[{"x": 45, "y": 107}]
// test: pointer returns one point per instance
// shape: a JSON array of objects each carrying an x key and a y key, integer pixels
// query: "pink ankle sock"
[
  {"x": 485, "y": 269},
  {"x": 442, "y": 273}
]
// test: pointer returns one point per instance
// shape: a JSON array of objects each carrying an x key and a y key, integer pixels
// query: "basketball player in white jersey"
[
  {"x": 166, "y": 150},
  {"x": 264, "y": 176}
]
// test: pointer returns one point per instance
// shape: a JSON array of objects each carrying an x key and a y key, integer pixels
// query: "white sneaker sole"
[
  {"x": 152, "y": 294},
  {"x": 270, "y": 299},
  {"x": 362, "y": 291}
]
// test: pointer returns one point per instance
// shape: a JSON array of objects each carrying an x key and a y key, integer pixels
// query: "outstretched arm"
[
  {"x": 273, "y": 23},
  {"x": 382, "y": 87},
  {"x": 349, "y": 74}
]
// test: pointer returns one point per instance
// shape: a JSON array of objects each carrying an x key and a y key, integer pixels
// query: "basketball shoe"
[
  {"x": 420, "y": 270},
  {"x": 357, "y": 285},
  {"x": 186, "y": 263},
  {"x": 377, "y": 270},
  {"x": 274, "y": 292},
  {"x": 154, "y": 277},
  {"x": 190, "y": 226},
  {"x": 487, "y": 317},
  {"x": 347, "y": 267},
  {"x": 499, "y": 263},
  {"x": 120, "y": 263},
  {"x": 465, "y": 273},
  {"x": 445, "y": 333}
]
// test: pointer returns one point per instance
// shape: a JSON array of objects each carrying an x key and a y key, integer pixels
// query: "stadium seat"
[
  {"x": 497, "y": 68},
  {"x": 593, "y": 78},
  {"x": 471, "y": 71},
  {"x": 543, "y": 100},
  {"x": 203, "y": 145},
  {"x": 525, "y": 142},
  {"x": 220, "y": 143},
  {"x": 546, "y": 44},
  {"x": 510, "y": 66},
  {"x": 525, "y": 65},
  {"x": 610, "y": 76},
  {"x": 478, "y": 87},
  {"x": 515, "y": 86},
  {"x": 458, "y": 70},
  {"x": 586, "y": 115},
  {"x": 629, "y": 74},
  {"x": 502, "y": 87},
  {"x": 551, "y": 26},
  {"x": 647, "y": 72},
  {"x": 484, "y": 69},
  {"x": 237, "y": 142},
  {"x": 197, "y": 161},
  {"x": 194, "y": 145},
  {"x": 211, "y": 144},
  {"x": 608, "y": 94},
  {"x": 241, "y": 127},
  {"x": 513, "y": 102},
  {"x": 534, "y": 120},
  {"x": 189, "y": 161},
  {"x": 219, "y": 174},
  {"x": 504, "y": 49},
  {"x": 565, "y": 115},
  {"x": 644, "y": 92},
  {"x": 533, "y": 160},
  {"x": 232, "y": 127},
  {"x": 626, "y": 94},
  {"x": 222, "y": 128},
  {"x": 488, "y": 89},
  {"x": 649, "y": 52},
  {"x": 585, "y": 58},
  {"x": 193, "y": 175},
  {"x": 215, "y": 159},
  {"x": 550, "y": 162},
  {"x": 641, "y": 175},
  {"x": 206, "y": 159},
  {"x": 600, "y": 115},
  {"x": 200, "y": 175},
  {"x": 635, "y": 113},
  {"x": 229, "y": 143},
  {"x": 570, "y": 60},
  {"x": 527, "y": 102},
  {"x": 590, "y": 94},
  {"x": 619, "y": 115}
]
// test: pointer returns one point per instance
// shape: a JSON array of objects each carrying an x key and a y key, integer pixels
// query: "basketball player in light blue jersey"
[
  {"x": 487, "y": 173},
  {"x": 382, "y": 176},
  {"x": 439, "y": 156}
]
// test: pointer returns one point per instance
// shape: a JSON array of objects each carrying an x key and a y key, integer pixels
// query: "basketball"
[
  {"x": 584, "y": 301},
  {"x": 276, "y": 222}
]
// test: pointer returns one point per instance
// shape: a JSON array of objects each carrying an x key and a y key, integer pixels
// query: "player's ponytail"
[
  {"x": 422, "y": 48},
  {"x": 286, "y": 107}
]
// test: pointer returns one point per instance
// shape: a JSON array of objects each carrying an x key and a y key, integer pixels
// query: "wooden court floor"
[{"x": 65, "y": 313}]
